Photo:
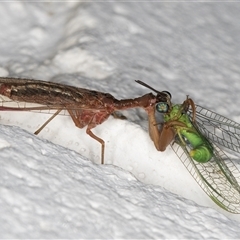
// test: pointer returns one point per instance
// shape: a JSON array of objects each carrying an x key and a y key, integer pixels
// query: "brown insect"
[{"x": 86, "y": 107}]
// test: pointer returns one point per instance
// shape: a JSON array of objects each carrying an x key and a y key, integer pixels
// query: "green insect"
[{"x": 194, "y": 134}]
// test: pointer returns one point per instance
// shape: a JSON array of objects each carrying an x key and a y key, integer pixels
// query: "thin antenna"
[{"x": 147, "y": 86}]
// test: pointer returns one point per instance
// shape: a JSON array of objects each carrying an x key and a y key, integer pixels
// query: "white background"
[{"x": 51, "y": 185}]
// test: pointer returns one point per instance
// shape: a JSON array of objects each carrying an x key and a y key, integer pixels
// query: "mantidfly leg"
[
  {"x": 161, "y": 138},
  {"x": 165, "y": 135},
  {"x": 48, "y": 121},
  {"x": 90, "y": 133},
  {"x": 76, "y": 117}
]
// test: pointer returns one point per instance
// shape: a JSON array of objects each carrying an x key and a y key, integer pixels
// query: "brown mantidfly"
[{"x": 86, "y": 107}]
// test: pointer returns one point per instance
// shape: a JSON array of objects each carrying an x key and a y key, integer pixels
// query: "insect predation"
[
  {"x": 195, "y": 134},
  {"x": 86, "y": 107}
]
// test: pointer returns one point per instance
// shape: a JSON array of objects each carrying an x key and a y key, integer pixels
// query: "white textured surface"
[{"x": 50, "y": 191}]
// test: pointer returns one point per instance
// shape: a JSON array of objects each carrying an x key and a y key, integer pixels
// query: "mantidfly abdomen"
[{"x": 194, "y": 133}]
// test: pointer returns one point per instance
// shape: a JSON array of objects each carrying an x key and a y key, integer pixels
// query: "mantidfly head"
[{"x": 163, "y": 99}]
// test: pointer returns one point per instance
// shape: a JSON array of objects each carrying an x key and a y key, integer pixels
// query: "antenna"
[{"x": 147, "y": 86}]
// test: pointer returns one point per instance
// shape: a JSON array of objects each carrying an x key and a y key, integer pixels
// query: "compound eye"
[
  {"x": 162, "y": 107},
  {"x": 168, "y": 93}
]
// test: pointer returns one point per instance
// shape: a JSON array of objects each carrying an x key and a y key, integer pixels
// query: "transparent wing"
[
  {"x": 217, "y": 128},
  {"x": 7, "y": 104},
  {"x": 219, "y": 177}
]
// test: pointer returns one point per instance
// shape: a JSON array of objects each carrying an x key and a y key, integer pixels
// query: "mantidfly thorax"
[
  {"x": 87, "y": 108},
  {"x": 191, "y": 131}
]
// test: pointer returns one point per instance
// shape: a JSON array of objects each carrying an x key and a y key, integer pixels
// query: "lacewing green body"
[{"x": 195, "y": 134}]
